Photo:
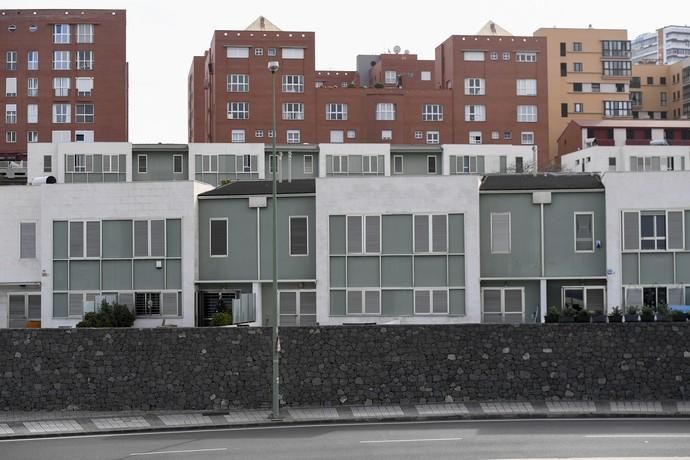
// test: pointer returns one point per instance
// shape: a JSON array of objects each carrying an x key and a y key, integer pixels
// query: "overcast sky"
[{"x": 162, "y": 36}]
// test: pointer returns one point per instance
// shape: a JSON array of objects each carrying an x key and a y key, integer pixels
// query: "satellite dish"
[
  {"x": 407, "y": 51},
  {"x": 396, "y": 49}
]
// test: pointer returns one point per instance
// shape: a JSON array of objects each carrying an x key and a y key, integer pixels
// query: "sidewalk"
[{"x": 15, "y": 425}]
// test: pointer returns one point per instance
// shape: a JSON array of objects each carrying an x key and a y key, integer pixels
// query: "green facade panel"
[
  {"x": 396, "y": 271},
  {"x": 173, "y": 229},
  {"x": 336, "y": 234},
  {"x": 60, "y": 276},
  {"x": 363, "y": 271},
  {"x": 656, "y": 268},
  {"x": 630, "y": 268},
  {"x": 337, "y": 270},
  {"x": 554, "y": 289},
  {"x": 147, "y": 276},
  {"x": 397, "y": 302},
  {"x": 84, "y": 275},
  {"x": 456, "y": 299},
  {"x": 456, "y": 270},
  {"x": 117, "y": 274},
  {"x": 532, "y": 296},
  {"x": 683, "y": 267},
  {"x": 173, "y": 274},
  {"x": 60, "y": 305},
  {"x": 337, "y": 304},
  {"x": 456, "y": 233},
  {"x": 159, "y": 167},
  {"x": 430, "y": 271},
  {"x": 396, "y": 234},
  {"x": 117, "y": 239},
  {"x": 60, "y": 239}
]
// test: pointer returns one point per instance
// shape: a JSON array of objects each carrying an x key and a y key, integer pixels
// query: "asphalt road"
[{"x": 521, "y": 439}]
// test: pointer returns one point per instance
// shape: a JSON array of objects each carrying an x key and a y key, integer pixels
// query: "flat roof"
[
  {"x": 263, "y": 187},
  {"x": 541, "y": 182}
]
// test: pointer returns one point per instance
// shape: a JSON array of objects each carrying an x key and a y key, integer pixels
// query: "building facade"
[
  {"x": 65, "y": 77},
  {"x": 668, "y": 45}
]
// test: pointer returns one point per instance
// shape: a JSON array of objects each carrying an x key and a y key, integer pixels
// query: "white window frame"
[
  {"x": 11, "y": 137},
  {"x": 362, "y": 292},
  {"x": 503, "y": 300},
  {"x": 578, "y": 107},
  {"x": 363, "y": 234},
  {"x": 292, "y": 83},
  {"x": 525, "y": 136},
  {"x": 238, "y": 110},
  {"x": 31, "y": 136},
  {"x": 510, "y": 232},
  {"x": 506, "y": 55},
  {"x": 85, "y": 116},
  {"x": 429, "y": 163},
  {"x": 395, "y": 169},
  {"x": 11, "y": 114},
  {"x": 60, "y": 115},
  {"x": 431, "y": 311},
  {"x": 61, "y": 33},
  {"x": 475, "y": 138},
  {"x": 473, "y": 55},
  {"x": 11, "y": 60},
  {"x": 84, "y": 238},
  {"x": 61, "y": 86},
  {"x": 370, "y": 164},
  {"x": 432, "y": 112},
  {"x": 84, "y": 60},
  {"x": 526, "y": 87},
  {"x": 293, "y": 136},
  {"x": 237, "y": 52},
  {"x": 146, "y": 163},
  {"x": 527, "y": 114},
  {"x": 10, "y": 86},
  {"x": 308, "y": 165},
  {"x": 430, "y": 233},
  {"x": 418, "y": 135},
  {"x": 386, "y": 134},
  {"x": 385, "y": 111},
  {"x": 390, "y": 77},
  {"x": 237, "y": 136},
  {"x": 337, "y": 136},
  {"x": 475, "y": 86},
  {"x": 62, "y": 60},
  {"x": 35, "y": 240},
  {"x": 258, "y": 133},
  {"x": 181, "y": 159},
  {"x": 246, "y": 163},
  {"x": 290, "y": 236},
  {"x": 84, "y": 33},
  {"x": 337, "y": 164},
  {"x": 475, "y": 112},
  {"x": 575, "y": 239},
  {"x": 292, "y": 53},
  {"x": 425, "y": 75},
  {"x": 293, "y": 111},
  {"x": 258, "y": 51},
  {"x": 32, "y": 113},
  {"x": 336, "y": 111},
  {"x": 584, "y": 294},
  {"x": 227, "y": 237},
  {"x": 32, "y": 87},
  {"x": 237, "y": 83},
  {"x": 113, "y": 162},
  {"x": 433, "y": 137},
  {"x": 525, "y": 56},
  {"x": 656, "y": 238}
]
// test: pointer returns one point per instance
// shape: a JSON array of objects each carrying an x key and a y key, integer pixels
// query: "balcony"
[
  {"x": 637, "y": 141},
  {"x": 605, "y": 142}
]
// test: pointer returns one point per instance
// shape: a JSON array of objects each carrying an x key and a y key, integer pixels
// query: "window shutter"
[
  {"x": 675, "y": 296},
  {"x": 633, "y": 297},
  {"x": 198, "y": 164},
  {"x": 169, "y": 304},
  {"x": 69, "y": 167},
  {"x": 440, "y": 301},
  {"x": 157, "y": 238},
  {"x": 371, "y": 302},
  {"x": 438, "y": 233},
  {"x": 288, "y": 308},
  {"x": 631, "y": 230},
  {"x": 76, "y": 239},
  {"x": 381, "y": 165},
  {"x": 27, "y": 246},
  {"x": 480, "y": 164},
  {"x": 127, "y": 299},
  {"x": 421, "y": 233},
  {"x": 354, "y": 302},
  {"x": 76, "y": 305},
  {"x": 114, "y": 163},
  {"x": 422, "y": 302},
  {"x": 219, "y": 238},
  {"x": 675, "y": 230},
  {"x": 500, "y": 233},
  {"x": 373, "y": 231},
  {"x": 17, "y": 307},
  {"x": 93, "y": 239},
  {"x": 491, "y": 306},
  {"x": 473, "y": 164},
  {"x": 252, "y": 163},
  {"x": 307, "y": 304},
  {"x": 344, "y": 164},
  {"x": 329, "y": 164},
  {"x": 214, "y": 163},
  {"x": 354, "y": 234},
  {"x": 88, "y": 162},
  {"x": 633, "y": 163},
  {"x": 513, "y": 306},
  {"x": 299, "y": 245},
  {"x": 583, "y": 232},
  {"x": 34, "y": 307},
  {"x": 595, "y": 299},
  {"x": 141, "y": 238},
  {"x": 656, "y": 164},
  {"x": 503, "y": 164}
]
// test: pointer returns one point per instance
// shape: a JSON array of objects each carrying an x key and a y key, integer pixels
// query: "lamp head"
[{"x": 273, "y": 66}]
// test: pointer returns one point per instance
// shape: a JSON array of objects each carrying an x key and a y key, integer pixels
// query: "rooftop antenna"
[{"x": 396, "y": 49}]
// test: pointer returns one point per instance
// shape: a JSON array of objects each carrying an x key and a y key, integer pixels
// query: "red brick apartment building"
[
  {"x": 488, "y": 89},
  {"x": 65, "y": 77}
]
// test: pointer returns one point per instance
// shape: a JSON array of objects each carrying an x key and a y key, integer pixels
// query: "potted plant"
[
  {"x": 678, "y": 316},
  {"x": 663, "y": 313},
  {"x": 567, "y": 315},
  {"x": 552, "y": 315},
  {"x": 631, "y": 313},
  {"x": 598, "y": 316},
  {"x": 582, "y": 316},
  {"x": 647, "y": 314},
  {"x": 616, "y": 315}
]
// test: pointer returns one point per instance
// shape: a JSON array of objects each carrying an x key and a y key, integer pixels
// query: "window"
[
  {"x": 527, "y": 138},
  {"x": 308, "y": 165},
  {"x": 577, "y": 46},
  {"x": 475, "y": 137},
  {"x": 11, "y": 137},
  {"x": 418, "y": 135},
  {"x": 299, "y": 236},
  {"x": 149, "y": 238},
  {"x": 293, "y": 83},
  {"x": 620, "y": 87},
  {"x": 527, "y": 113},
  {"x": 397, "y": 164},
  {"x": 432, "y": 137},
  {"x": 562, "y": 49},
  {"x": 363, "y": 302},
  {"x": 475, "y": 113},
  {"x": 32, "y": 86},
  {"x": 507, "y": 135},
  {"x": 612, "y": 163},
  {"x": 177, "y": 164},
  {"x": 84, "y": 239},
  {"x": 237, "y": 83},
  {"x": 61, "y": 60},
  {"x": 23, "y": 308},
  {"x": 494, "y": 56},
  {"x": 474, "y": 86},
  {"x": 473, "y": 55},
  {"x": 390, "y": 77},
  {"x": 564, "y": 69},
  {"x": 32, "y": 113},
  {"x": 84, "y": 86},
  {"x": 32, "y": 136},
  {"x": 270, "y": 134},
  {"x": 83, "y": 136},
  {"x": 259, "y": 133},
  {"x": 663, "y": 98},
  {"x": 142, "y": 164},
  {"x": 336, "y": 136},
  {"x": 495, "y": 135},
  {"x": 386, "y": 135},
  {"x": 500, "y": 233},
  {"x": 60, "y": 33},
  {"x": 247, "y": 166},
  {"x": 258, "y": 51},
  {"x": 147, "y": 303},
  {"x": 339, "y": 164},
  {"x": 581, "y": 297},
  {"x": 11, "y": 60},
  {"x": 367, "y": 241},
  {"x": 617, "y": 108},
  {"x": 237, "y": 136},
  {"x": 432, "y": 112},
  {"x": 425, "y": 75},
  {"x": 616, "y": 48},
  {"x": 577, "y": 67},
  {"x": 84, "y": 33},
  {"x": 61, "y": 86},
  {"x": 62, "y": 113},
  {"x": 32, "y": 60},
  {"x": 662, "y": 80},
  {"x": 430, "y": 301},
  {"x": 385, "y": 111},
  {"x": 564, "y": 109},
  {"x": 84, "y": 60},
  {"x": 271, "y": 51},
  {"x": 10, "y": 114},
  {"x": 11, "y": 86},
  {"x": 293, "y": 136},
  {"x": 336, "y": 111},
  {"x": 293, "y": 53},
  {"x": 596, "y": 87},
  {"x": 431, "y": 164},
  {"x": 617, "y": 68},
  {"x": 293, "y": 111},
  {"x": 111, "y": 163},
  {"x": 430, "y": 233},
  {"x": 237, "y": 52},
  {"x": 577, "y": 107},
  {"x": 238, "y": 110},
  {"x": 525, "y": 57},
  {"x": 653, "y": 231},
  {"x": 84, "y": 113},
  {"x": 506, "y": 56},
  {"x": 27, "y": 240},
  {"x": 526, "y": 87},
  {"x": 584, "y": 231}
]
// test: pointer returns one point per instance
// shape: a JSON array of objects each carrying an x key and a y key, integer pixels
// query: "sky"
[{"x": 162, "y": 36}]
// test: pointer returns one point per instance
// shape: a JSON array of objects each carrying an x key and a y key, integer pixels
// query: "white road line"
[
  {"x": 409, "y": 440},
  {"x": 177, "y": 451},
  {"x": 639, "y": 435}
]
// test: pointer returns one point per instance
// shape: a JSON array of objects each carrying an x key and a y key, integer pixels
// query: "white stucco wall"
[
  {"x": 599, "y": 157},
  {"x": 396, "y": 195},
  {"x": 354, "y": 149},
  {"x": 36, "y": 152},
  {"x": 221, "y": 148},
  {"x": 633, "y": 190}
]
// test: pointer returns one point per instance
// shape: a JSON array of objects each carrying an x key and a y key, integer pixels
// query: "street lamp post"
[{"x": 273, "y": 67}]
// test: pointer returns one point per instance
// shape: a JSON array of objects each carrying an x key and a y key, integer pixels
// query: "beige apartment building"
[
  {"x": 656, "y": 91},
  {"x": 589, "y": 73}
]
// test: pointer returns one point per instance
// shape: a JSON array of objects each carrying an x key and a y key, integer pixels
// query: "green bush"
[
  {"x": 115, "y": 315},
  {"x": 552, "y": 315},
  {"x": 221, "y": 318}
]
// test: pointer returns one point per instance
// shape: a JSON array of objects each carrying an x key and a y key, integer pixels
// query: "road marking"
[
  {"x": 409, "y": 440},
  {"x": 177, "y": 451},
  {"x": 639, "y": 435}
]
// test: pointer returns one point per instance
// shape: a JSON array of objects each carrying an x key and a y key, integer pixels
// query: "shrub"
[
  {"x": 378, "y": 85},
  {"x": 616, "y": 311},
  {"x": 582, "y": 316},
  {"x": 677, "y": 315},
  {"x": 552, "y": 315},
  {"x": 115, "y": 315},
  {"x": 221, "y": 318}
]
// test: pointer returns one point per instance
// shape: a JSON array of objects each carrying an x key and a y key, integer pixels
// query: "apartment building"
[
  {"x": 65, "y": 77},
  {"x": 658, "y": 91},
  {"x": 668, "y": 45},
  {"x": 589, "y": 74}
]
